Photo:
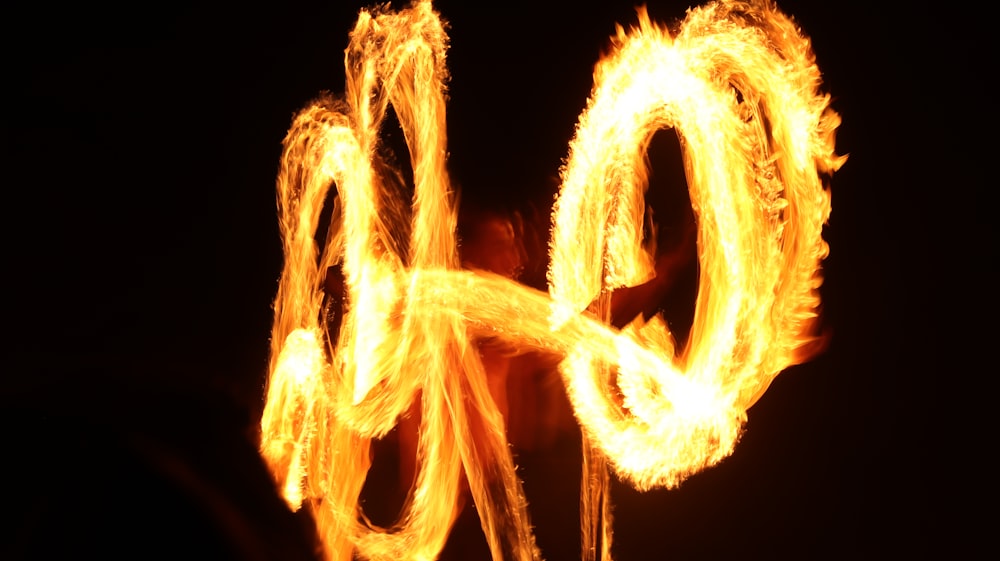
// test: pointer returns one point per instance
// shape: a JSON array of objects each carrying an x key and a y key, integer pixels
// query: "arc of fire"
[{"x": 738, "y": 83}]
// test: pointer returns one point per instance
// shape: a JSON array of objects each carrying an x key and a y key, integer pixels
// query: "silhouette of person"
[{"x": 524, "y": 383}]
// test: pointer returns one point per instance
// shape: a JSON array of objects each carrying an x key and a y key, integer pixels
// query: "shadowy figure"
[{"x": 524, "y": 383}]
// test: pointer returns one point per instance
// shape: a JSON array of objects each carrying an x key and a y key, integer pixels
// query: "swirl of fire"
[{"x": 738, "y": 83}]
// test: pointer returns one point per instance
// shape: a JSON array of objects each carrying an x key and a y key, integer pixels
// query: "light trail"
[{"x": 737, "y": 82}]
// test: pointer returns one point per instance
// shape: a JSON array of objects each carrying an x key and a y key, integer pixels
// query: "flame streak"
[{"x": 738, "y": 83}]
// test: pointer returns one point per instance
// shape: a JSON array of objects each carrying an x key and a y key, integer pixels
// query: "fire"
[{"x": 737, "y": 82}]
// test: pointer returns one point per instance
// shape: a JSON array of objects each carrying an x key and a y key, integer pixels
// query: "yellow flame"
[{"x": 739, "y": 85}]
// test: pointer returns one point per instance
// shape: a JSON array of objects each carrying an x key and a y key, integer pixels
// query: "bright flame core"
[{"x": 739, "y": 85}]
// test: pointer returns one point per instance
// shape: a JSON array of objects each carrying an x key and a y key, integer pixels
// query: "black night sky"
[{"x": 141, "y": 147}]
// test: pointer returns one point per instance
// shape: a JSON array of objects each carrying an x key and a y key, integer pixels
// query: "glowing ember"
[{"x": 739, "y": 85}]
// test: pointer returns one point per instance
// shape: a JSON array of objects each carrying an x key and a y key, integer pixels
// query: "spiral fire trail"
[{"x": 737, "y": 82}]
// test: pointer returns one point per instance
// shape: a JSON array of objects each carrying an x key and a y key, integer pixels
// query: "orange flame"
[{"x": 738, "y": 83}]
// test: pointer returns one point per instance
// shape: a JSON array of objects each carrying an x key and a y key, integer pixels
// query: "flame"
[{"x": 739, "y": 85}]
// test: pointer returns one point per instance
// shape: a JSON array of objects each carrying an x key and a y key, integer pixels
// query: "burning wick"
[{"x": 739, "y": 85}]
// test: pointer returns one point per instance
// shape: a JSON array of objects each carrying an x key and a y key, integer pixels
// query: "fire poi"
[{"x": 738, "y": 83}]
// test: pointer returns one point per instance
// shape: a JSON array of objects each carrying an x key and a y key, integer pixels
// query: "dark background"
[{"x": 141, "y": 147}]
